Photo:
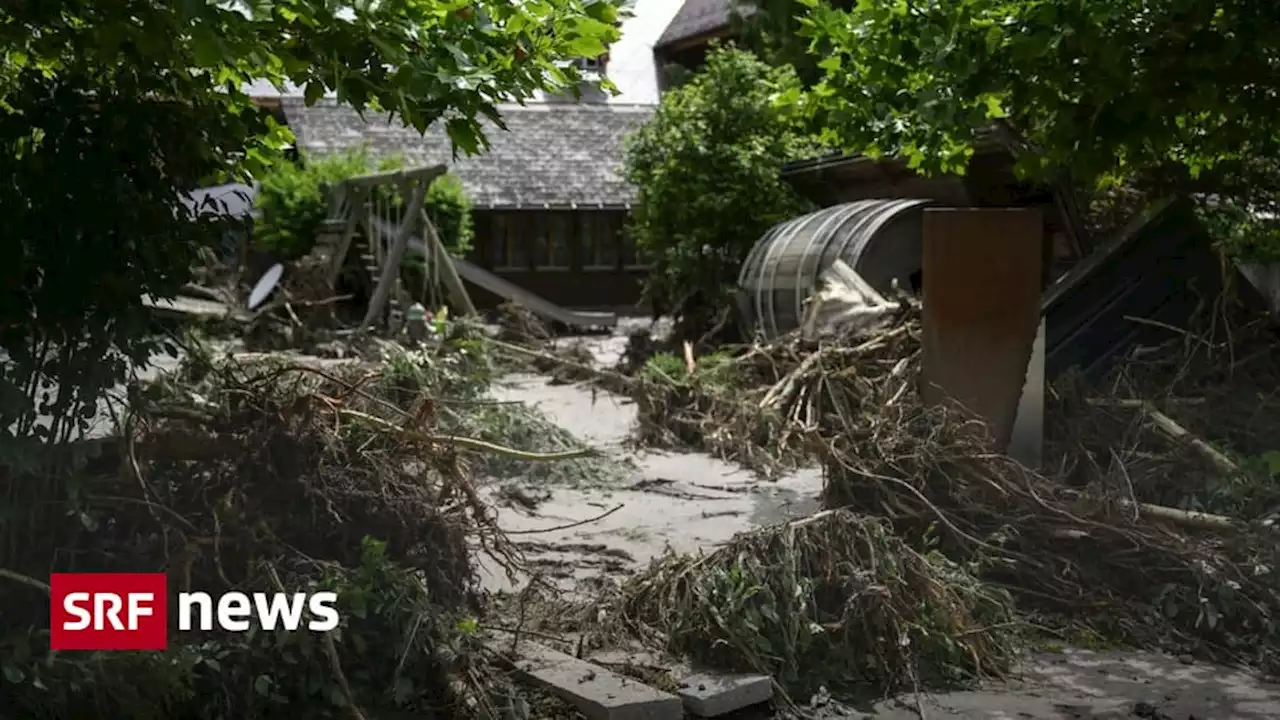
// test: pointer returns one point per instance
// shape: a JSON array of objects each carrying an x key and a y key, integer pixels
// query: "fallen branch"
[
  {"x": 1185, "y": 518},
  {"x": 205, "y": 293},
  {"x": 1173, "y": 430},
  {"x": 619, "y": 378},
  {"x": 471, "y": 443},
  {"x": 24, "y": 580},
  {"x": 1166, "y": 425}
]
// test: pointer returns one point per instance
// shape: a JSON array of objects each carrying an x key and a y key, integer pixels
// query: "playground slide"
[{"x": 537, "y": 305}]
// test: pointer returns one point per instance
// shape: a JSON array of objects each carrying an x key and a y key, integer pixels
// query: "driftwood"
[
  {"x": 206, "y": 293},
  {"x": 1187, "y": 518},
  {"x": 1174, "y": 431}
]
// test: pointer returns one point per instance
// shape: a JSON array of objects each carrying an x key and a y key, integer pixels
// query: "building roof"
[
  {"x": 696, "y": 19},
  {"x": 552, "y": 155}
]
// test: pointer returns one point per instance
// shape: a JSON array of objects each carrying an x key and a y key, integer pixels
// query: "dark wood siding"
[{"x": 576, "y": 258}]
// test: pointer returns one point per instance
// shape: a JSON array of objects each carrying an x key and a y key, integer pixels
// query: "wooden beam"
[
  {"x": 444, "y": 261},
  {"x": 391, "y": 264},
  {"x": 422, "y": 174}
]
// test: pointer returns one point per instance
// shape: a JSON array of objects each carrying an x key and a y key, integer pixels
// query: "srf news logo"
[{"x": 130, "y": 611}]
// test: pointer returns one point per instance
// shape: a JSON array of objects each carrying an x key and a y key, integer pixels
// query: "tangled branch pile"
[
  {"x": 767, "y": 406},
  {"x": 1089, "y": 550},
  {"x": 564, "y": 363},
  {"x": 835, "y": 600},
  {"x": 270, "y": 476}
]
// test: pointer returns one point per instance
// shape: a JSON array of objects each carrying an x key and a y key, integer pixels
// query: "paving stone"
[
  {"x": 712, "y": 695},
  {"x": 596, "y": 692}
]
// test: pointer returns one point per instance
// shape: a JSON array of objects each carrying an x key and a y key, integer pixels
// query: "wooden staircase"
[{"x": 371, "y": 261}]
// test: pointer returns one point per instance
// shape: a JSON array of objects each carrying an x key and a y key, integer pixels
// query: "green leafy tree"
[
  {"x": 109, "y": 111},
  {"x": 773, "y": 30},
  {"x": 1170, "y": 95},
  {"x": 707, "y": 166}
]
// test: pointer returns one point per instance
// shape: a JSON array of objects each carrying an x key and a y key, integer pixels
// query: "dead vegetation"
[
  {"x": 935, "y": 560},
  {"x": 1139, "y": 531},
  {"x": 274, "y": 473},
  {"x": 836, "y": 600}
]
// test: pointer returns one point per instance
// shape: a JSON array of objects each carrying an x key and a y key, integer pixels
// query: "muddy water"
[{"x": 685, "y": 501}]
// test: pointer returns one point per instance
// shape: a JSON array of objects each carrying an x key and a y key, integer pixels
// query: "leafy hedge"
[{"x": 293, "y": 202}]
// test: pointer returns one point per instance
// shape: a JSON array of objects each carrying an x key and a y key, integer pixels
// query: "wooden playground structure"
[{"x": 384, "y": 218}]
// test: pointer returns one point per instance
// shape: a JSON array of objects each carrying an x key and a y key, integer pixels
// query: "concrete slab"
[
  {"x": 713, "y": 694},
  {"x": 594, "y": 691}
]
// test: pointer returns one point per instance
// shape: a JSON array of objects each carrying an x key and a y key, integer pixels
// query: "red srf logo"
[{"x": 109, "y": 611}]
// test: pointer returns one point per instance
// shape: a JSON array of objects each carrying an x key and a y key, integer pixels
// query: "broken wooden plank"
[
  {"x": 596, "y": 692},
  {"x": 713, "y": 694},
  {"x": 189, "y": 307}
]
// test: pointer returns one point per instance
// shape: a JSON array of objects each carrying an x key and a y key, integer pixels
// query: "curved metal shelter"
[{"x": 880, "y": 239}]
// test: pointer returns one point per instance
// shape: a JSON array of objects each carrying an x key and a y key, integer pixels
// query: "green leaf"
[
  {"x": 994, "y": 108},
  {"x": 463, "y": 135},
  {"x": 1271, "y": 459},
  {"x": 313, "y": 92}
]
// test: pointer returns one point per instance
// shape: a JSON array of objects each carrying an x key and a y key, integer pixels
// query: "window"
[
  {"x": 552, "y": 241},
  {"x": 591, "y": 65},
  {"x": 508, "y": 250},
  {"x": 632, "y": 259},
  {"x": 599, "y": 235}
]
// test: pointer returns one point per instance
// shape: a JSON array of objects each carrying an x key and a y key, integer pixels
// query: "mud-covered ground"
[{"x": 689, "y": 501}]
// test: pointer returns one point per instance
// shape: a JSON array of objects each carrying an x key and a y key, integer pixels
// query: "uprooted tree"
[
  {"x": 1164, "y": 97},
  {"x": 708, "y": 170},
  {"x": 109, "y": 114}
]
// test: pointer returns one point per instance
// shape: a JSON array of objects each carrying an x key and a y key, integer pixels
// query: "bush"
[
  {"x": 708, "y": 170},
  {"x": 450, "y": 210},
  {"x": 294, "y": 202}
]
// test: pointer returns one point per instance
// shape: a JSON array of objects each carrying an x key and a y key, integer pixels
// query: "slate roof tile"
[{"x": 556, "y": 154}]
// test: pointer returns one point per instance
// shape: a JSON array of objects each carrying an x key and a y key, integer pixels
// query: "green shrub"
[
  {"x": 708, "y": 169},
  {"x": 294, "y": 202},
  {"x": 450, "y": 210}
]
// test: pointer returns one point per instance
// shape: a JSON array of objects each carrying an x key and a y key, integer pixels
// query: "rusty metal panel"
[{"x": 982, "y": 272}]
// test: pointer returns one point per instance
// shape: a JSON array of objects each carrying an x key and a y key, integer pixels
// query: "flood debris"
[
  {"x": 834, "y": 600},
  {"x": 1151, "y": 525},
  {"x": 273, "y": 475}
]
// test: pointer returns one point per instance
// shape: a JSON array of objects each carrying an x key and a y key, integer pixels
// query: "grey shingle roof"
[
  {"x": 695, "y": 18},
  {"x": 557, "y": 154}
]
